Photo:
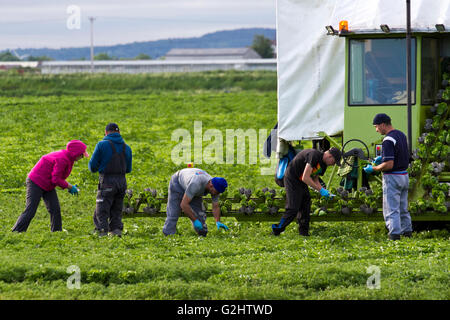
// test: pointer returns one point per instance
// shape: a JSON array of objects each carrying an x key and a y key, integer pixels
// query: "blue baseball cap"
[
  {"x": 220, "y": 184},
  {"x": 381, "y": 118},
  {"x": 112, "y": 127}
]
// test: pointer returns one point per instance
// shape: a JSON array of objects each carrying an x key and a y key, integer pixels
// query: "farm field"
[{"x": 335, "y": 262}]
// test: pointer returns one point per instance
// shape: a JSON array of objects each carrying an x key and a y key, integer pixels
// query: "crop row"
[
  {"x": 271, "y": 202},
  {"x": 430, "y": 166}
]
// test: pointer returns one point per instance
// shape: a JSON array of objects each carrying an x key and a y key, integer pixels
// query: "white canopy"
[{"x": 311, "y": 72}]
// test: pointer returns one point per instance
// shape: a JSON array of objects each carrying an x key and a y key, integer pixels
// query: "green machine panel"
[{"x": 376, "y": 83}]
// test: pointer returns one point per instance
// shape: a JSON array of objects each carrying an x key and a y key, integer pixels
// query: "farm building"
[
  {"x": 212, "y": 54},
  {"x": 5, "y": 65},
  {"x": 156, "y": 66}
]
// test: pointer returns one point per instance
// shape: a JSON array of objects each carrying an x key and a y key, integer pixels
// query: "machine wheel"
[{"x": 344, "y": 152}]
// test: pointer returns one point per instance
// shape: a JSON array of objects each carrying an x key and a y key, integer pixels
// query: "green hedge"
[{"x": 13, "y": 83}]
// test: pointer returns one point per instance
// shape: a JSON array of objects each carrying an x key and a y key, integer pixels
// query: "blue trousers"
[
  {"x": 395, "y": 203},
  {"x": 175, "y": 195}
]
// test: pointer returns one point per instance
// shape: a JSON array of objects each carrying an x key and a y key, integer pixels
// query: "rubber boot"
[
  {"x": 278, "y": 228},
  {"x": 394, "y": 237},
  {"x": 303, "y": 229},
  {"x": 407, "y": 234}
]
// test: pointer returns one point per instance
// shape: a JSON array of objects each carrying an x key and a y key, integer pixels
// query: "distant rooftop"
[
  {"x": 213, "y": 53},
  {"x": 155, "y": 66}
]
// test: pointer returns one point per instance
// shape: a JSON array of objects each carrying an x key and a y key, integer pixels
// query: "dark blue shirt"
[
  {"x": 103, "y": 153},
  {"x": 395, "y": 147}
]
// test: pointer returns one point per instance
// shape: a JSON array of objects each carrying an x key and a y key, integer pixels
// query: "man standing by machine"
[
  {"x": 112, "y": 159},
  {"x": 186, "y": 190},
  {"x": 394, "y": 163},
  {"x": 303, "y": 171}
]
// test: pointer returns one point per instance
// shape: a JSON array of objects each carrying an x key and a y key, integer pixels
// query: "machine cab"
[{"x": 375, "y": 82}]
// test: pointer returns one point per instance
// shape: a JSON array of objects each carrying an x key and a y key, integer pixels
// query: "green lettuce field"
[{"x": 40, "y": 114}]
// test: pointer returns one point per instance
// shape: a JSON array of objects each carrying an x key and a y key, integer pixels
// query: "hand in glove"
[
  {"x": 221, "y": 225},
  {"x": 377, "y": 160},
  {"x": 368, "y": 169},
  {"x": 74, "y": 190},
  {"x": 325, "y": 193},
  {"x": 198, "y": 225}
]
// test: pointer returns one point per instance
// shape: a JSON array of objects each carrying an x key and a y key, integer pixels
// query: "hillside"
[{"x": 156, "y": 49}]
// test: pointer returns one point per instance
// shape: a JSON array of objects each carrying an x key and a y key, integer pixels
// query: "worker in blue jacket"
[{"x": 112, "y": 159}]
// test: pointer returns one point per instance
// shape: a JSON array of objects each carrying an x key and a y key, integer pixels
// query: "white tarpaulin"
[{"x": 311, "y": 71}]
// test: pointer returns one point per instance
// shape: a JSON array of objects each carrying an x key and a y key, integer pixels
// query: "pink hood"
[
  {"x": 76, "y": 148},
  {"x": 53, "y": 168}
]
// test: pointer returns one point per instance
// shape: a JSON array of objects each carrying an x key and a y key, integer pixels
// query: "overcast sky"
[{"x": 54, "y": 23}]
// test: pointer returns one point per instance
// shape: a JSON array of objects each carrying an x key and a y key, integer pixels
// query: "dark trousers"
[
  {"x": 34, "y": 195},
  {"x": 298, "y": 205},
  {"x": 108, "y": 210}
]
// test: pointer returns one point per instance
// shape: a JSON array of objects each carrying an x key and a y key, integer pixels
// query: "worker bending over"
[
  {"x": 186, "y": 190},
  {"x": 303, "y": 171}
]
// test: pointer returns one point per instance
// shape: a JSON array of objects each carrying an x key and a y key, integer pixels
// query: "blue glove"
[
  {"x": 198, "y": 225},
  {"x": 368, "y": 169},
  {"x": 221, "y": 225},
  {"x": 377, "y": 160},
  {"x": 74, "y": 190},
  {"x": 325, "y": 193}
]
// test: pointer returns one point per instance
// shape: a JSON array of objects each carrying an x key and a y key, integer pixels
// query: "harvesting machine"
[
  {"x": 339, "y": 64},
  {"x": 342, "y": 62}
]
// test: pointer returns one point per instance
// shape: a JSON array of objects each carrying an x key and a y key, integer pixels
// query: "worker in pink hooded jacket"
[{"x": 50, "y": 172}]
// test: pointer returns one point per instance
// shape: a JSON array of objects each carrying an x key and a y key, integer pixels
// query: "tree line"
[{"x": 261, "y": 44}]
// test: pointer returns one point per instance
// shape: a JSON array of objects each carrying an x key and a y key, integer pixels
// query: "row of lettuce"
[{"x": 429, "y": 175}]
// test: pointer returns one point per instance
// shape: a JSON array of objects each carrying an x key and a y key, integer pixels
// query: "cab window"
[
  {"x": 430, "y": 70},
  {"x": 377, "y": 71}
]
